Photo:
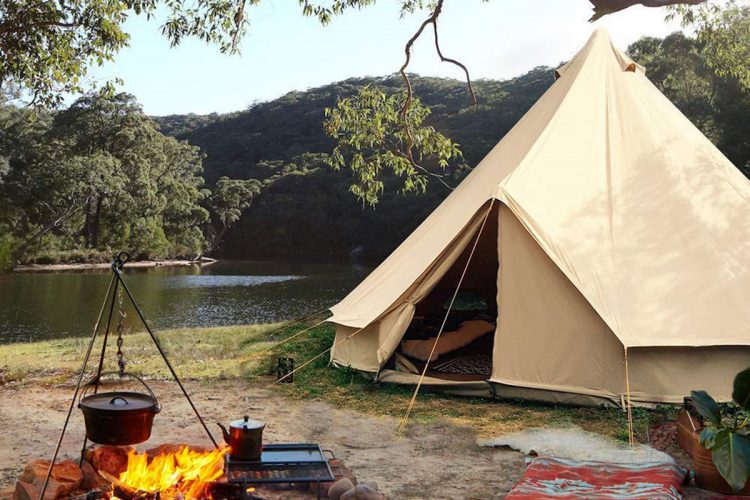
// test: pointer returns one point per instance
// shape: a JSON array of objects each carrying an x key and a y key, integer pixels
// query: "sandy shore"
[{"x": 106, "y": 265}]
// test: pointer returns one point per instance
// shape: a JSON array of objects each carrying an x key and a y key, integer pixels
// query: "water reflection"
[
  {"x": 205, "y": 281},
  {"x": 52, "y": 305}
]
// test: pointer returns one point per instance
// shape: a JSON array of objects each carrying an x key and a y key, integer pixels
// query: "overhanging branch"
[{"x": 431, "y": 20}]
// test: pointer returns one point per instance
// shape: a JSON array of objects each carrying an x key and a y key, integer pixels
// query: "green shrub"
[{"x": 7, "y": 244}]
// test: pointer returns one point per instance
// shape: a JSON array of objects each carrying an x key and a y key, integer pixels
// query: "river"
[{"x": 49, "y": 305}]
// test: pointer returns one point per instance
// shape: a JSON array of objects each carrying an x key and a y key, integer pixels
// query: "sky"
[{"x": 284, "y": 51}]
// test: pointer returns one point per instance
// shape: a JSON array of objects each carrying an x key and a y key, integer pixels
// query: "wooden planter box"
[{"x": 688, "y": 429}]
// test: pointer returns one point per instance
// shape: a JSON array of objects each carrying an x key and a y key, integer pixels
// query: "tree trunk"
[
  {"x": 86, "y": 230},
  {"x": 96, "y": 226},
  {"x": 73, "y": 208}
]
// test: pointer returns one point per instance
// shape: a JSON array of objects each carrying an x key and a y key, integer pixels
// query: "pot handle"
[{"x": 98, "y": 378}]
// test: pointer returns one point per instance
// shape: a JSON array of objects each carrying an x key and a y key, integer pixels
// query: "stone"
[
  {"x": 32, "y": 491},
  {"x": 340, "y": 470},
  {"x": 66, "y": 478},
  {"x": 64, "y": 471},
  {"x": 111, "y": 459},
  {"x": 363, "y": 492},
  {"x": 91, "y": 479},
  {"x": 339, "y": 488}
]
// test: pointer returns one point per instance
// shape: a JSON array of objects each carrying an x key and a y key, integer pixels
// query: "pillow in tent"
[{"x": 467, "y": 333}]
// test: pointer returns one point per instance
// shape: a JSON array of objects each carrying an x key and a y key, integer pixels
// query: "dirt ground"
[{"x": 437, "y": 461}]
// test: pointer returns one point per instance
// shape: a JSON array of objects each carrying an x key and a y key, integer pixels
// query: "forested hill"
[{"x": 310, "y": 210}]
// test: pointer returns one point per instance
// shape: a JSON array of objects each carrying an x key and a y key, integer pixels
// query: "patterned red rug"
[{"x": 562, "y": 478}]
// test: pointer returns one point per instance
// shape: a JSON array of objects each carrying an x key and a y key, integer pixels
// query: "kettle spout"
[{"x": 224, "y": 431}]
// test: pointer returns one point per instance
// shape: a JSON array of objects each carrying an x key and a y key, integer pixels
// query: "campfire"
[
  {"x": 185, "y": 473},
  {"x": 166, "y": 472}
]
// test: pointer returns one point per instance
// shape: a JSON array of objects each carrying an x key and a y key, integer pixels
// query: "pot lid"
[
  {"x": 118, "y": 402},
  {"x": 247, "y": 423}
]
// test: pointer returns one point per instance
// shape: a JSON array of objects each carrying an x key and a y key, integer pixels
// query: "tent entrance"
[{"x": 464, "y": 351}]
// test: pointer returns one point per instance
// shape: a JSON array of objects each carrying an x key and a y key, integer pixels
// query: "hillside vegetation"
[{"x": 311, "y": 212}]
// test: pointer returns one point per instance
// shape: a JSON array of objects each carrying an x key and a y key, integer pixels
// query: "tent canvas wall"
[{"x": 622, "y": 233}]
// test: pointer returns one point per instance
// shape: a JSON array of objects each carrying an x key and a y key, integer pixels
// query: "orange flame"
[{"x": 182, "y": 474}]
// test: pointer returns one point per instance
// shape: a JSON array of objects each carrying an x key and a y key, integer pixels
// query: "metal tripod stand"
[{"x": 117, "y": 281}]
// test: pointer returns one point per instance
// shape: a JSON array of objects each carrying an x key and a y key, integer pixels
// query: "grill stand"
[
  {"x": 282, "y": 464},
  {"x": 117, "y": 280}
]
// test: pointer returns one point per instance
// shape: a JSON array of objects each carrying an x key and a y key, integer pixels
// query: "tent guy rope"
[
  {"x": 316, "y": 357},
  {"x": 282, "y": 342},
  {"x": 405, "y": 418}
]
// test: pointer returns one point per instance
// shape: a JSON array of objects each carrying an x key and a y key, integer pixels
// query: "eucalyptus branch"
[
  {"x": 431, "y": 20},
  {"x": 440, "y": 178},
  {"x": 455, "y": 62}
]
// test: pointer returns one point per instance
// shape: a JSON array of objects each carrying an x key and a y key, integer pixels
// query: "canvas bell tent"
[{"x": 604, "y": 241}]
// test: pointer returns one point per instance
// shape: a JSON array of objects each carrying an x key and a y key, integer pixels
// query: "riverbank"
[
  {"x": 81, "y": 266},
  {"x": 248, "y": 354}
]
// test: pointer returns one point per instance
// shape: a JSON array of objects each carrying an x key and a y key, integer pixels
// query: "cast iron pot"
[
  {"x": 118, "y": 418},
  {"x": 245, "y": 439}
]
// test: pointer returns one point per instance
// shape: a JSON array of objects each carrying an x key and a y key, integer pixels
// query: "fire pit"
[{"x": 182, "y": 472}]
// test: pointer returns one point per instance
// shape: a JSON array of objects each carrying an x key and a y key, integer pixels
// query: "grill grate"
[
  {"x": 282, "y": 463},
  {"x": 286, "y": 472}
]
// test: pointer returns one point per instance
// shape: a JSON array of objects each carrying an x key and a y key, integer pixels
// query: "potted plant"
[{"x": 722, "y": 462}]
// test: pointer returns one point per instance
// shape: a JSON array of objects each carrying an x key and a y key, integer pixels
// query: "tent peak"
[{"x": 600, "y": 43}]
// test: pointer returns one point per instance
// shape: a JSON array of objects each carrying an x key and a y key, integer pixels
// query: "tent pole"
[
  {"x": 631, "y": 435},
  {"x": 405, "y": 418}
]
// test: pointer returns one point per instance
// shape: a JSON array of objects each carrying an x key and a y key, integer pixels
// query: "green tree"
[
  {"x": 372, "y": 140},
  {"x": 724, "y": 36},
  {"x": 227, "y": 202},
  {"x": 99, "y": 176},
  {"x": 676, "y": 65}
]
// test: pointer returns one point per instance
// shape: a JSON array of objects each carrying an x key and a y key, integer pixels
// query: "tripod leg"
[
  {"x": 164, "y": 356},
  {"x": 101, "y": 360},
  {"x": 78, "y": 386}
]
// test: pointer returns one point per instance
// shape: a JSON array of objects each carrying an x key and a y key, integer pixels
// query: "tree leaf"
[
  {"x": 741, "y": 389},
  {"x": 707, "y": 407},
  {"x": 731, "y": 455}
]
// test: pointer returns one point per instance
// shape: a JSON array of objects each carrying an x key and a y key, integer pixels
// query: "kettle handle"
[{"x": 225, "y": 432}]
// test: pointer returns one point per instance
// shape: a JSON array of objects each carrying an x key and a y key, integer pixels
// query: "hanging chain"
[{"x": 120, "y": 330}]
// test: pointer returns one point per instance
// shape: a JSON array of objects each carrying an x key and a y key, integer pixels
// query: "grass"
[{"x": 249, "y": 353}]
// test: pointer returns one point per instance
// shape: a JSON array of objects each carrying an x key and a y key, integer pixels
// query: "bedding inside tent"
[{"x": 464, "y": 350}]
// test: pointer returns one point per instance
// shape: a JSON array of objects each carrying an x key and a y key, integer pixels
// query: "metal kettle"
[{"x": 245, "y": 438}]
